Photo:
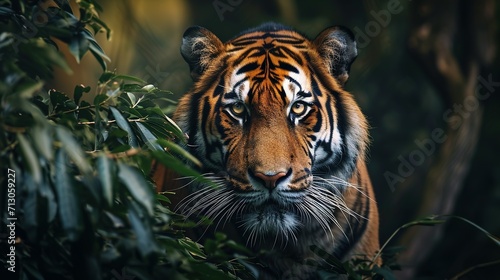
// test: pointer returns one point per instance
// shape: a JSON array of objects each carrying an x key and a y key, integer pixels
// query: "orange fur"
[{"x": 268, "y": 117}]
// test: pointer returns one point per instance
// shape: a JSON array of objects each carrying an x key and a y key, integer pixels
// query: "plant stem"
[
  {"x": 474, "y": 267},
  {"x": 113, "y": 121}
]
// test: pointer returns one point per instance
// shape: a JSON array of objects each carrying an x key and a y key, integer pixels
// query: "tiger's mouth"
[{"x": 270, "y": 218}]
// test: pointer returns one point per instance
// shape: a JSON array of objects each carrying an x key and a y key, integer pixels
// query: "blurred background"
[{"x": 427, "y": 77}]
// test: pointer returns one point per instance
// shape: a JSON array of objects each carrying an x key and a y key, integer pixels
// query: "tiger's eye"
[
  {"x": 238, "y": 108},
  {"x": 298, "y": 108}
]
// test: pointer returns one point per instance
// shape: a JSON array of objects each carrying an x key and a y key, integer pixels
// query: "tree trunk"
[{"x": 439, "y": 28}]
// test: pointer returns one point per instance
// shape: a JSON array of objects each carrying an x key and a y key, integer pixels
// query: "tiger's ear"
[
  {"x": 337, "y": 48},
  {"x": 199, "y": 47}
]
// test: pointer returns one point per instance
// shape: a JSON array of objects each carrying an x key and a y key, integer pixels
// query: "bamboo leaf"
[
  {"x": 192, "y": 247},
  {"x": 31, "y": 204},
  {"x": 43, "y": 142},
  {"x": 69, "y": 210},
  {"x": 94, "y": 46},
  {"x": 145, "y": 241},
  {"x": 123, "y": 124},
  {"x": 106, "y": 170},
  {"x": 78, "y": 46},
  {"x": 176, "y": 165},
  {"x": 99, "y": 59},
  {"x": 73, "y": 149},
  {"x": 174, "y": 148},
  {"x": 148, "y": 138},
  {"x": 137, "y": 186},
  {"x": 31, "y": 158},
  {"x": 130, "y": 78},
  {"x": 175, "y": 129},
  {"x": 495, "y": 239}
]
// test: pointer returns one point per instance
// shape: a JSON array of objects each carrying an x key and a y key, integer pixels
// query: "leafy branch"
[{"x": 85, "y": 206}]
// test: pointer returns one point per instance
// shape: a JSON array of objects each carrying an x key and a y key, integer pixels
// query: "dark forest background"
[{"x": 427, "y": 77}]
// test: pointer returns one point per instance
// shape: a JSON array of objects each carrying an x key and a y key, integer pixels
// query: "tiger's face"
[{"x": 269, "y": 119}]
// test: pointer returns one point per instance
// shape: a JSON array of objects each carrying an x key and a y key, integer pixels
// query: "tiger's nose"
[{"x": 270, "y": 180}]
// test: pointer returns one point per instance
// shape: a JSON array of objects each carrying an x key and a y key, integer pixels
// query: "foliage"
[{"x": 84, "y": 206}]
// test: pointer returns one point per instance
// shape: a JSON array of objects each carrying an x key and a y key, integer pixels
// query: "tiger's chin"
[{"x": 270, "y": 222}]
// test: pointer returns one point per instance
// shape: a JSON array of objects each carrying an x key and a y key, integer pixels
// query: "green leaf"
[
  {"x": 163, "y": 198},
  {"x": 173, "y": 147},
  {"x": 78, "y": 46},
  {"x": 206, "y": 271},
  {"x": 73, "y": 149},
  {"x": 493, "y": 238},
  {"x": 4, "y": 11},
  {"x": 336, "y": 264},
  {"x": 148, "y": 137},
  {"x": 132, "y": 98},
  {"x": 64, "y": 4},
  {"x": 100, "y": 98},
  {"x": 106, "y": 77},
  {"x": 386, "y": 273},
  {"x": 28, "y": 89},
  {"x": 94, "y": 46},
  {"x": 146, "y": 243},
  {"x": 37, "y": 58},
  {"x": 106, "y": 170},
  {"x": 47, "y": 198},
  {"x": 43, "y": 143},
  {"x": 99, "y": 59},
  {"x": 30, "y": 207},
  {"x": 57, "y": 99},
  {"x": 69, "y": 210},
  {"x": 175, "y": 129},
  {"x": 192, "y": 247},
  {"x": 426, "y": 221},
  {"x": 130, "y": 78},
  {"x": 132, "y": 88},
  {"x": 31, "y": 158},
  {"x": 103, "y": 25},
  {"x": 79, "y": 91},
  {"x": 178, "y": 166},
  {"x": 123, "y": 124},
  {"x": 137, "y": 186}
]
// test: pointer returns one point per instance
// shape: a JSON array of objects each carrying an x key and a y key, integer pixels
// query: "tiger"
[{"x": 283, "y": 143}]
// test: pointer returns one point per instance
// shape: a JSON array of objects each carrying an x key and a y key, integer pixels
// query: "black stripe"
[
  {"x": 219, "y": 89},
  {"x": 249, "y": 67},
  {"x": 293, "y": 55},
  {"x": 288, "y": 67},
  {"x": 315, "y": 87},
  {"x": 210, "y": 147},
  {"x": 304, "y": 94},
  {"x": 246, "y": 54},
  {"x": 360, "y": 224},
  {"x": 282, "y": 38},
  {"x": 193, "y": 118}
]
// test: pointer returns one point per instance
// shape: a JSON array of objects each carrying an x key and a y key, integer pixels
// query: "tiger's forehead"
[
  {"x": 269, "y": 39},
  {"x": 272, "y": 62},
  {"x": 244, "y": 87}
]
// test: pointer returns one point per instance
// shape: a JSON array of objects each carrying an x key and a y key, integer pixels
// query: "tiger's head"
[{"x": 273, "y": 126}]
